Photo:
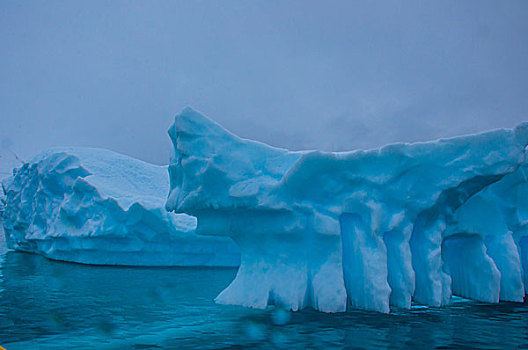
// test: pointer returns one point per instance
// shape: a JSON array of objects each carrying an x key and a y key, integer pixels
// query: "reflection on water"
[{"x": 61, "y": 305}]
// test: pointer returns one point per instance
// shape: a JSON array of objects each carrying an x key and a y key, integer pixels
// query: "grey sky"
[{"x": 332, "y": 75}]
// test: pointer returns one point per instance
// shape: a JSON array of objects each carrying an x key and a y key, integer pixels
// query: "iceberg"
[
  {"x": 370, "y": 229},
  {"x": 94, "y": 206}
]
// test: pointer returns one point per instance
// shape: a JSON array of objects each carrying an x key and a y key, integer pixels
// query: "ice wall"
[
  {"x": 363, "y": 228},
  {"x": 95, "y": 206}
]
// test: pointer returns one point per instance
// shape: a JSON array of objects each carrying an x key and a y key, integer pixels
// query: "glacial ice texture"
[
  {"x": 369, "y": 229},
  {"x": 95, "y": 206}
]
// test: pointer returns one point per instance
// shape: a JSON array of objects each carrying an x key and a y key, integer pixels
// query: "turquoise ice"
[{"x": 368, "y": 228}]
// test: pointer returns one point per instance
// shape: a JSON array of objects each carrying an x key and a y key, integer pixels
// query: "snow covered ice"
[
  {"x": 95, "y": 206},
  {"x": 371, "y": 229}
]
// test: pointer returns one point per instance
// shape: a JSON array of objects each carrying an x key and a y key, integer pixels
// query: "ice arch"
[{"x": 364, "y": 228}]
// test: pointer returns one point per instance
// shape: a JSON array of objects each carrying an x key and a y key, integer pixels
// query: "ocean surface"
[{"x": 55, "y": 305}]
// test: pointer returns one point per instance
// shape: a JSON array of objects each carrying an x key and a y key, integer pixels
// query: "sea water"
[{"x": 55, "y": 305}]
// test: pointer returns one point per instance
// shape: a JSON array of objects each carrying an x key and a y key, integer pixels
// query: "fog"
[{"x": 331, "y": 75}]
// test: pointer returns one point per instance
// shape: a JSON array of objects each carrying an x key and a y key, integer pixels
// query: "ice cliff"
[
  {"x": 99, "y": 207},
  {"x": 371, "y": 229}
]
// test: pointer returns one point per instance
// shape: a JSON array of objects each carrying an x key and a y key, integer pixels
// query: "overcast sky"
[{"x": 332, "y": 75}]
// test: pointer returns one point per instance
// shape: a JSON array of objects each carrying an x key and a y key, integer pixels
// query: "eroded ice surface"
[
  {"x": 368, "y": 228},
  {"x": 495, "y": 218},
  {"x": 95, "y": 206}
]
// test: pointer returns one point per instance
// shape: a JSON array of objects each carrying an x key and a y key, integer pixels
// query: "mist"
[{"x": 335, "y": 75}]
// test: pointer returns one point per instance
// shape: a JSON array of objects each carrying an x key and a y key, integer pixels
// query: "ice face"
[
  {"x": 369, "y": 228},
  {"x": 95, "y": 206}
]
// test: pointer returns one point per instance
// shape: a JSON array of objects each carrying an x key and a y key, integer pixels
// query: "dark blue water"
[{"x": 46, "y": 304}]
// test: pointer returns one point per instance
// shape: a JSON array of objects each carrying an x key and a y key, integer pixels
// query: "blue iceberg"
[
  {"x": 95, "y": 206},
  {"x": 368, "y": 228}
]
